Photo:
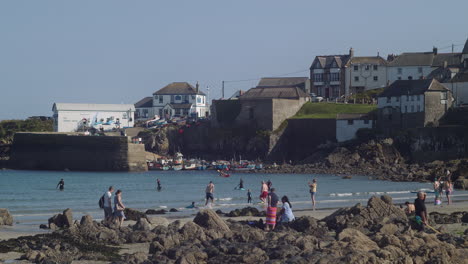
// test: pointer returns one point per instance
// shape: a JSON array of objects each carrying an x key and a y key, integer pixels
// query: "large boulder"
[
  {"x": 210, "y": 220},
  {"x": 5, "y": 217},
  {"x": 308, "y": 225},
  {"x": 132, "y": 214},
  {"x": 361, "y": 218},
  {"x": 247, "y": 211},
  {"x": 61, "y": 220}
]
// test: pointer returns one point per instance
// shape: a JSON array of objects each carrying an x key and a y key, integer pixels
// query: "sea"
[{"x": 32, "y": 196}]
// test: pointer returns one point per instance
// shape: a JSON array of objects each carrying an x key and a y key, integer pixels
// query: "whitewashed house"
[
  {"x": 144, "y": 109},
  {"x": 365, "y": 73},
  {"x": 347, "y": 125},
  {"x": 75, "y": 117},
  {"x": 180, "y": 99}
]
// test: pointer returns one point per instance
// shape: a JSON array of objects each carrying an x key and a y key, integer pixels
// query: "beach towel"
[{"x": 271, "y": 215}]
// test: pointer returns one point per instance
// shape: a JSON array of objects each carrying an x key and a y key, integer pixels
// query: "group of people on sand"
[
  {"x": 443, "y": 186},
  {"x": 116, "y": 212}
]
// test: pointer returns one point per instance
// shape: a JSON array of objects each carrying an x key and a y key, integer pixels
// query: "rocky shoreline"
[{"x": 377, "y": 233}]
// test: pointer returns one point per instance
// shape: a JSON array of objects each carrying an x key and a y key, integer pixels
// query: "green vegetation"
[
  {"x": 329, "y": 110},
  {"x": 366, "y": 96},
  {"x": 8, "y": 128}
]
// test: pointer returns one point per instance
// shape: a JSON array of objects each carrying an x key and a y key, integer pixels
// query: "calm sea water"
[{"x": 32, "y": 197}]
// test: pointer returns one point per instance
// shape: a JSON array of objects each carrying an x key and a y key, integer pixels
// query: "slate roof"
[
  {"x": 452, "y": 59},
  {"x": 412, "y": 87},
  {"x": 367, "y": 60},
  {"x": 442, "y": 74},
  {"x": 426, "y": 59},
  {"x": 178, "y": 88},
  {"x": 465, "y": 48},
  {"x": 145, "y": 102},
  {"x": 345, "y": 116},
  {"x": 274, "y": 92},
  {"x": 461, "y": 76},
  {"x": 93, "y": 107},
  {"x": 326, "y": 61},
  {"x": 281, "y": 81}
]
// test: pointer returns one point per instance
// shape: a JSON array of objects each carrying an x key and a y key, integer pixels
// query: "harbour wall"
[{"x": 60, "y": 151}]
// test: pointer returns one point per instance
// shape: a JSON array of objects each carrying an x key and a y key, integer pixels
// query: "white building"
[
  {"x": 144, "y": 109},
  {"x": 365, "y": 73},
  {"x": 175, "y": 99},
  {"x": 75, "y": 117},
  {"x": 347, "y": 125}
]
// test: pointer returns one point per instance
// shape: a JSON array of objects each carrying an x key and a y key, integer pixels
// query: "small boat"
[
  {"x": 243, "y": 168},
  {"x": 201, "y": 167},
  {"x": 166, "y": 167},
  {"x": 177, "y": 167},
  {"x": 190, "y": 166}
]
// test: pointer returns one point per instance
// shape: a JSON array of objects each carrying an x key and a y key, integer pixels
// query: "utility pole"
[
  {"x": 453, "y": 47},
  {"x": 222, "y": 92}
]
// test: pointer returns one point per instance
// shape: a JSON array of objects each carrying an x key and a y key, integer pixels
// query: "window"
[
  {"x": 410, "y": 77},
  {"x": 443, "y": 96},
  {"x": 366, "y": 121},
  {"x": 412, "y": 98},
  {"x": 356, "y": 68},
  {"x": 124, "y": 116},
  {"x": 419, "y": 108},
  {"x": 318, "y": 77},
  {"x": 350, "y": 122},
  {"x": 356, "y": 78},
  {"x": 367, "y": 67},
  {"x": 335, "y": 76},
  {"x": 376, "y": 78},
  {"x": 161, "y": 99},
  {"x": 407, "y": 98},
  {"x": 399, "y": 78},
  {"x": 420, "y": 70},
  {"x": 389, "y": 99},
  {"x": 155, "y": 97},
  {"x": 412, "y": 109},
  {"x": 376, "y": 67},
  {"x": 398, "y": 99},
  {"x": 418, "y": 97},
  {"x": 199, "y": 100},
  {"x": 400, "y": 70},
  {"x": 193, "y": 97},
  {"x": 178, "y": 97}
]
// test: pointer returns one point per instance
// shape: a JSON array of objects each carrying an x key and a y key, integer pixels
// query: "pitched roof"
[
  {"x": 465, "y": 48},
  {"x": 274, "y": 92},
  {"x": 281, "y": 81},
  {"x": 413, "y": 59},
  {"x": 412, "y": 87},
  {"x": 327, "y": 61},
  {"x": 367, "y": 60},
  {"x": 443, "y": 74},
  {"x": 461, "y": 76},
  {"x": 452, "y": 59},
  {"x": 178, "y": 88},
  {"x": 93, "y": 107},
  {"x": 145, "y": 102}
]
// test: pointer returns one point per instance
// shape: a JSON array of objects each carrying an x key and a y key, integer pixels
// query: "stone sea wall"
[{"x": 56, "y": 151}]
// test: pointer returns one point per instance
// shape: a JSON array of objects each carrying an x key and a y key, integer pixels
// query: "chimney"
[
  {"x": 196, "y": 87},
  {"x": 351, "y": 52},
  {"x": 378, "y": 54},
  {"x": 434, "y": 50}
]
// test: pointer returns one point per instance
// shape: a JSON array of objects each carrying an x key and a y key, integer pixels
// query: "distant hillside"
[
  {"x": 329, "y": 110},
  {"x": 8, "y": 128}
]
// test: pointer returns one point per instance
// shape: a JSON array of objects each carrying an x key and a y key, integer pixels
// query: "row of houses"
[{"x": 338, "y": 76}]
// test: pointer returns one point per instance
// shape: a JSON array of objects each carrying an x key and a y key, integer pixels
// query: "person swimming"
[
  {"x": 191, "y": 206},
  {"x": 241, "y": 184},
  {"x": 159, "y": 184}
]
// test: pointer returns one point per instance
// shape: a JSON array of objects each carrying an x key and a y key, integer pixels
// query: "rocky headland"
[{"x": 377, "y": 233}]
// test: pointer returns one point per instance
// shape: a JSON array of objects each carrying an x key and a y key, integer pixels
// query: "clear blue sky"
[{"x": 114, "y": 51}]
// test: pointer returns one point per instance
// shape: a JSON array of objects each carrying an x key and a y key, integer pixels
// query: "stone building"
[
  {"x": 347, "y": 125},
  {"x": 412, "y": 103},
  {"x": 327, "y": 75},
  {"x": 144, "y": 108}
]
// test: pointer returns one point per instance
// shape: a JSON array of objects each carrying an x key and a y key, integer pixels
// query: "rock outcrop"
[{"x": 5, "y": 217}]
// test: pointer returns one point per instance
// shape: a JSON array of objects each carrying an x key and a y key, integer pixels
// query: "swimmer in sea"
[
  {"x": 159, "y": 184},
  {"x": 60, "y": 185},
  {"x": 241, "y": 184},
  {"x": 191, "y": 206}
]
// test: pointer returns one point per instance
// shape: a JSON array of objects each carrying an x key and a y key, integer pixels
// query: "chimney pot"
[
  {"x": 351, "y": 52},
  {"x": 434, "y": 50}
]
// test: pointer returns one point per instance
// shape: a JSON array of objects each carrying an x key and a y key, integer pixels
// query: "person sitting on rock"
[
  {"x": 286, "y": 214},
  {"x": 420, "y": 210},
  {"x": 409, "y": 210}
]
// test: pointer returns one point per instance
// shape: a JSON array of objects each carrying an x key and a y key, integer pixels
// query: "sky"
[{"x": 113, "y": 51}]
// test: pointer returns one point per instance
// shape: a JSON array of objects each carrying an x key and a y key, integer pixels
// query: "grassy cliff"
[
  {"x": 330, "y": 110},
  {"x": 8, "y": 128}
]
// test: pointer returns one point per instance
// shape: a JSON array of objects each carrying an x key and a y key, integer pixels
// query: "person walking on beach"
[
  {"x": 437, "y": 191},
  {"x": 209, "y": 193},
  {"x": 286, "y": 214},
  {"x": 313, "y": 191},
  {"x": 119, "y": 207},
  {"x": 249, "y": 196},
  {"x": 108, "y": 204},
  {"x": 448, "y": 190},
  {"x": 271, "y": 210},
  {"x": 264, "y": 192},
  {"x": 420, "y": 210},
  {"x": 60, "y": 185}
]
